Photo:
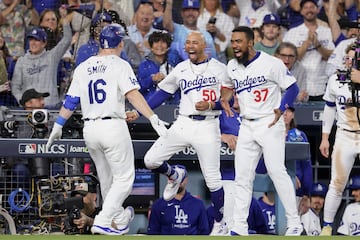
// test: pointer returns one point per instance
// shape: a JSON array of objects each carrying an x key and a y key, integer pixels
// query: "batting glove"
[
  {"x": 159, "y": 125},
  {"x": 55, "y": 134}
]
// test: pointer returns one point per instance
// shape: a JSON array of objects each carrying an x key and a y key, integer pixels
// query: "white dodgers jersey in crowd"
[
  {"x": 258, "y": 84},
  {"x": 98, "y": 81}
]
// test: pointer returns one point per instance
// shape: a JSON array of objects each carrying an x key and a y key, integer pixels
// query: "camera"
[
  {"x": 70, "y": 227},
  {"x": 38, "y": 119},
  {"x": 40, "y": 116},
  {"x": 73, "y": 128},
  {"x": 212, "y": 20},
  {"x": 73, "y": 205},
  {"x": 7, "y": 129},
  {"x": 343, "y": 76}
]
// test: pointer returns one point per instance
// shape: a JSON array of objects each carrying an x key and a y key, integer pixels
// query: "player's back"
[{"x": 101, "y": 83}]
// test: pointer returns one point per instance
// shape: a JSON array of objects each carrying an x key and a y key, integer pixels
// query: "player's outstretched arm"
[
  {"x": 69, "y": 106},
  {"x": 56, "y": 132},
  {"x": 139, "y": 102}
]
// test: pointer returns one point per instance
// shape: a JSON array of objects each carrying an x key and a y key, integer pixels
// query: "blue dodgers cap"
[
  {"x": 304, "y": 1},
  {"x": 101, "y": 17},
  {"x": 354, "y": 183},
  {"x": 195, "y": 4},
  {"x": 38, "y": 33},
  {"x": 271, "y": 19},
  {"x": 319, "y": 189}
]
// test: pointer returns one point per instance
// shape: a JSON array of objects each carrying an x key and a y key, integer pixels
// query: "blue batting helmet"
[
  {"x": 319, "y": 189},
  {"x": 354, "y": 183},
  {"x": 111, "y": 35}
]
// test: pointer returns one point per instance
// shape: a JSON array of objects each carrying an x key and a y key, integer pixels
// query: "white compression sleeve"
[{"x": 328, "y": 118}]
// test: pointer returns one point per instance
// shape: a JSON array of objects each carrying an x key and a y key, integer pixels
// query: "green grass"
[{"x": 144, "y": 237}]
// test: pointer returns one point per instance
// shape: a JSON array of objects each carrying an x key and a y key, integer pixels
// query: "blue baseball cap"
[
  {"x": 271, "y": 19},
  {"x": 38, "y": 33},
  {"x": 319, "y": 189},
  {"x": 354, "y": 183},
  {"x": 195, "y": 4},
  {"x": 304, "y": 1},
  {"x": 101, "y": 17}
]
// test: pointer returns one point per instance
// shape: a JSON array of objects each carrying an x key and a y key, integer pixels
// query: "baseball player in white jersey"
[
  {"x": 101, "y": 84},
  {"x": 338, "y": 99},
  {"x": 257, "y": 79},
  {"x": 350, "y": 224},
  {"x": 199, "y": 79},
  {"x": 311, "y": 219}
]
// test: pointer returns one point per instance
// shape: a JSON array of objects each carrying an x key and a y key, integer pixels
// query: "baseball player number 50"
[{"x": 209, "y": 95}]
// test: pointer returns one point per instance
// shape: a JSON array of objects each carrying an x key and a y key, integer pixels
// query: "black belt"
[
  {"x": 201, "y": 117},
  {"x": 103, "y": 118},
  {"x": 251, "y": 119},
  {"x": 352, "y": 131}
]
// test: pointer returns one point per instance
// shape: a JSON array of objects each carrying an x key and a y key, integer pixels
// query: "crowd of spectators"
[{"x": 314, "y": 27}]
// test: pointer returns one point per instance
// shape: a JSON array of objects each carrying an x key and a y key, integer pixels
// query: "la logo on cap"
[{"x": 190, "y": 3}]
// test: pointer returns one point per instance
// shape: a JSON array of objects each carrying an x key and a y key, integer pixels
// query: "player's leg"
[
  {"x": 162, "y": 150},
  {"x": 247, "y": 156},
  {"x": 229, "y": 202},
  {"x": 272, "y": 141},
  {"x": 207, "y": 145},
  {"x": 342, "y": 160},
  {"x": 99, "y": 159},
  {"x": 119, "y": 154}
]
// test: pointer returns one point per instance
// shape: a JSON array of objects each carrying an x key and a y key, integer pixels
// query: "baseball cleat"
[
  {"x": 128, "y": 216},
  {"x": 326, "y": 231},
  {"x": 97, "y": 229},
  {"x": 172, "y": 186},
  {"x": 219, "y": 229},
  {"x": 294, "y": 231}
]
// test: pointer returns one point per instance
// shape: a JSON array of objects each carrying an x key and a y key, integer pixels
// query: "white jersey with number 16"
[{"x": 101, "y": 84}]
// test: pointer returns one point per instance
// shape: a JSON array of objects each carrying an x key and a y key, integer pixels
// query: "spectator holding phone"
[{"x": 217, "y": 23}]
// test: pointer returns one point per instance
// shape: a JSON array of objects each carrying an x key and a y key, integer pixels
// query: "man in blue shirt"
[
  {"x": 190, "y": 13},
  {"x": 183, "y": 215}
]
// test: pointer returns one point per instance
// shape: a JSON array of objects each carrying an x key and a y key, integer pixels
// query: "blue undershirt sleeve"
[
  {"x": 158, "y": 98},
  {"x": 289, "y": 97}
]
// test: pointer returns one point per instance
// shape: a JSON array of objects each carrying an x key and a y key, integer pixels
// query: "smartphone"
[{"x": 212, "y": 20}]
